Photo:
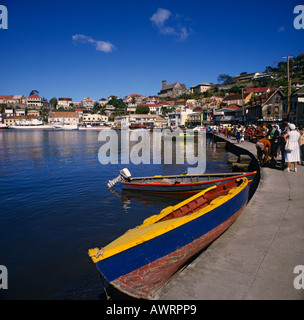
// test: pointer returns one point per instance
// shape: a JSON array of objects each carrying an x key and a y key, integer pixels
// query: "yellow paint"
[{"x": 149, "y": 229}]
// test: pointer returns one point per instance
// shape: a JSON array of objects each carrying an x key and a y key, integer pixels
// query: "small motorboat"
[
  {"x": 176, "y": 183},
  {"x": 143, "y": 260}
]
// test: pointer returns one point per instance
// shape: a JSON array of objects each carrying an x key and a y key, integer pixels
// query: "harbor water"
[{"x": 55, "y": 206}]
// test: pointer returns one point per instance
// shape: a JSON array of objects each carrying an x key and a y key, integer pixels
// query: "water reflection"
[{"x": 55, "y": 206}]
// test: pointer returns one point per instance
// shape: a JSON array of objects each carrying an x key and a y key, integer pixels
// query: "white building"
[
  {"x": 65, "y": 117},
  {"x": 34, "y": 101},
  {"x": 88, "y": 103},
  {"x": 95, "y": 118},
  {"x": 202, "y": 87},
  {"x": 142, "y": 119},
  {"x": 178, "y": 118},
  {"x": 64, "y": 103}
]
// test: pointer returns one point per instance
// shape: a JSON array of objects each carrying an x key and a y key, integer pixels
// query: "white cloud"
[
  {"x": 160, "y": 17},
  {"x": 103, "y": 46},
  {"x": 167, "y": 24}
]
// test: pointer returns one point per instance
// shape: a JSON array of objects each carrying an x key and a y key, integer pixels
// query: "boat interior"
[
  {"x": 197, "y": 203},
  {"x": 181, "y": 178}
]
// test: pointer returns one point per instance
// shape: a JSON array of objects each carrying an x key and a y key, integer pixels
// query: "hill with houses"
[{"x": 249, "y": 96}]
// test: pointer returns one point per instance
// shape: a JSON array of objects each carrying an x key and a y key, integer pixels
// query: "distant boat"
[
  {"x": 143, "y": 260},
  {"x": 3, "y": 126},
  {"x": 176, "y": 183},
  {"x": 92, "y": 127},
  {"x": 30, "y": 124},
  {"x": 65, "y": 126}
]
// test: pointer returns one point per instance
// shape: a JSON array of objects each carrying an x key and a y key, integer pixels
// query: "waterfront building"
[
  {"x": 267, "y": 106},
  {"x": 11, "y": 120},
  {"x": 178, "y": 118},
  {"x": 296, "y": 112},
  {"x": 195, "y": 118},
  {"x": 94, "y": 118},
  {"x": 142, "y": 119},
  {"x": 63, "y": 117},
  {"x": 172, "y": 90},
  {"x": 229, "y": 114}
]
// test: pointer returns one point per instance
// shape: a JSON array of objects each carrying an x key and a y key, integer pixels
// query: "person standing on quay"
[
  {"x": 302, "y": 144},
  {"x": 294, "y": 154},
  {"x": 284, "y": 129},
  {"x": 228, "y": 131}
]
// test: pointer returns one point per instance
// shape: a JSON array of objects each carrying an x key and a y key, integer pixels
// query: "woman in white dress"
[{"x": 294, "y": 155}]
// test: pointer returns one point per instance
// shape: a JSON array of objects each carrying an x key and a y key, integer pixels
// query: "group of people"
[
  {"x": 287, "y": 140},
  {"x": 239, "y": 132}
]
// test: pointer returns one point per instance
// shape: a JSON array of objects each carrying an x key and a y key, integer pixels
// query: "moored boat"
[
  {"x": 30, "y": 124},
  {"x": 177, "y": 183},
  {"x": 89, "y": 127},
  {"x": 65, "y": 126},
  {"x": 3, "y": 126},
  {"x": 142, "y": 261}
]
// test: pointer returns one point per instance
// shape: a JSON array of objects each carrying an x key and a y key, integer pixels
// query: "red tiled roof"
[
  {"x": 34, "y": 96},
  {"x": 262, "y": 89},
  {"x": 235, "y": 96},
  {"x": 7, "y": 97},
  {"x": 63, "y": 114},
  {"x": 135, "y": 95},
  {"x": 233, "y": 107}
]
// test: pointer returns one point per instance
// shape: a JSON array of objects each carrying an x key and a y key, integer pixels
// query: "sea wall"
[{"x": 246, "y": 159}]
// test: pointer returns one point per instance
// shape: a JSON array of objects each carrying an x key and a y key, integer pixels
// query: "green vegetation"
[
  {"x": 142, "y": 109},
  {"x": 277, "y": 77}
]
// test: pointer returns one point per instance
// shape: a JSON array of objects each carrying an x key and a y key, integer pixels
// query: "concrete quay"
[{"x": 255, "y": 258}]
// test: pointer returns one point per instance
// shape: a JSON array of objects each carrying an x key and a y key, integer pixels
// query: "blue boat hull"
[{"x": 141, "y": 270}]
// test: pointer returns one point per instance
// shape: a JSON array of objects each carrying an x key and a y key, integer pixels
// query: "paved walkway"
[{"x": 255, "y": 258}]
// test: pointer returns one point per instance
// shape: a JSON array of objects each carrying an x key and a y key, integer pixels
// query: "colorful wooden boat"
[
  {"x": 143, "y": 260},
  {"x": 182, "y": 183}
]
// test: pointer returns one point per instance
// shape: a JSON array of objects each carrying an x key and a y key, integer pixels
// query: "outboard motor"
[{"x": 125, "y": 175}]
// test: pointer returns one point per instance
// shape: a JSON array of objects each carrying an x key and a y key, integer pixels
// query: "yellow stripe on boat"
[{"x": 149, "y": 229}]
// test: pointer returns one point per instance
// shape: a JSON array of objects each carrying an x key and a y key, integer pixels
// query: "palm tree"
[{"x": 34, "y": 92}]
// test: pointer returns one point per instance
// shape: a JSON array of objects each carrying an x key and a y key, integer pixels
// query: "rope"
[{"x": 100, "y": 252}]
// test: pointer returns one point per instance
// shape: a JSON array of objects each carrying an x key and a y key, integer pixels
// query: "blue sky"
[{"x": 98, "y": 48}]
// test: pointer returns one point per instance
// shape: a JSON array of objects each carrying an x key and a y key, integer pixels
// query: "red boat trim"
[
  {"x": 144, "y": 282},
  {"x": 187, "y": 184}
]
